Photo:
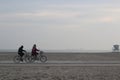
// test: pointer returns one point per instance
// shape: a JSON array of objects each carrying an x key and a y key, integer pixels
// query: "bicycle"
[
  {"x": 39, "y": 57},
  {"x": 18, "y": 59}
]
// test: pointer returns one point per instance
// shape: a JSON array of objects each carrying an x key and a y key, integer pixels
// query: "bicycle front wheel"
[
  {"x": 16, "y": 59},
  {"x": 43, "y": 58}
]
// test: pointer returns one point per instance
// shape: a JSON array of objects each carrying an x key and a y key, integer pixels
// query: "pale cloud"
[
  {"x": 106, "y": 19},
  {"x": 72, "y": 13},
  {"x": 114, "y": 9},
  {"x": 49, "y": 14},
  {"x": 43, "y": 15}
]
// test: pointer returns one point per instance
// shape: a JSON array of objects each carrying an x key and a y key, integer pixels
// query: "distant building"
[{"x": 116, "y": 48}]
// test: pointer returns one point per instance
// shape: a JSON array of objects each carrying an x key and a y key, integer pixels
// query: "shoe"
[{"x": 21, "y": 59}]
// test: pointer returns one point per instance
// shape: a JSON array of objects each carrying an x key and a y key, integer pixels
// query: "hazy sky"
[{"x": 60, "y": 24}]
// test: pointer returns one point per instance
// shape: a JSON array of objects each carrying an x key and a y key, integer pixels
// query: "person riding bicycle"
[
  {"x": 21, "y": 52},
  {"x": 34, "y": 51}
]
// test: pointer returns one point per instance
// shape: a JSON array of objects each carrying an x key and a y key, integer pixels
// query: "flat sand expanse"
[
  {"x": 59, "y": 73},
  {"x": 62, "y": 71}
]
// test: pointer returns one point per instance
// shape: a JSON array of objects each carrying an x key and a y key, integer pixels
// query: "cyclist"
[
  {"x": 34, "y": 51},
  {"x": 21, "y": 52}
]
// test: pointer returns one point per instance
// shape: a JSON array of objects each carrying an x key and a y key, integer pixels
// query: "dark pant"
[{"x": 21, "y": 54}]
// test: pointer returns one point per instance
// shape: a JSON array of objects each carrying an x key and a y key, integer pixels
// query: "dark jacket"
[{"x": 20, "y": 50}]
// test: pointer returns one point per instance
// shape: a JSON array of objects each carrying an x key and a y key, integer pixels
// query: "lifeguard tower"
[{"x": 116, "y": 48}]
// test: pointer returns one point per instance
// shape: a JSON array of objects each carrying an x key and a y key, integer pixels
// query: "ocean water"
[{"x": 62, "y": 51}]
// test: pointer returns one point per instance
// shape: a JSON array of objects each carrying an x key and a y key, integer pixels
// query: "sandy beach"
[
  {"x": 59, "y": 73},
  {"x": 46, "y": 71}
]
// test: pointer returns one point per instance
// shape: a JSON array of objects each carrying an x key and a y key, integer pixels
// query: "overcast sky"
[{"x": 60, "y": 24}]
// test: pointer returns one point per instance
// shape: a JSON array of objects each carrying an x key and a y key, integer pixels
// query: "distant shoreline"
[{"x": 1, "y": 52}]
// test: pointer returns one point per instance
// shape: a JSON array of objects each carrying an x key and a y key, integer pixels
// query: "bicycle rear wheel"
[
  {"x": 31, "y": 59},
  {"x": 28, "y": 59}
]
